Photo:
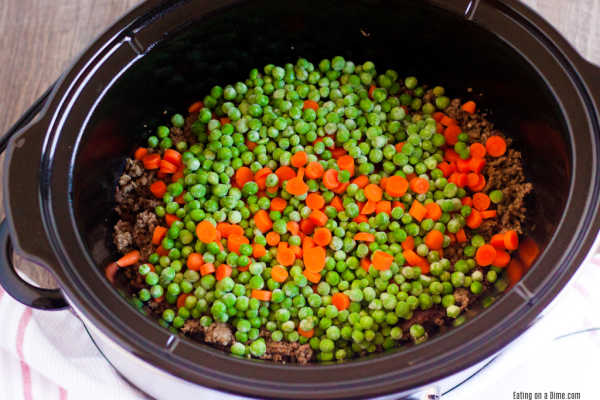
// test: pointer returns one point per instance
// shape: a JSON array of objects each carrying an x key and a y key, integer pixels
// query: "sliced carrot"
[
  {"x": 181, "y": 300},
  {"x": 417, "y": 210},
  {"x": 361, "y": 181},
  {"x": 206, "y": 232},
  {"x": 285, "y": 173},
  {"x": 172, "y": 156},
  {"x": 477, "y": 150},
  {"x": 243, "y": 175},
  {"x": 497, "y": 241},
  {"x": 434, "y": 211},
  {"x": 299, "y": 159},
  {"x": 485, "y": 255},
  {"x": 364, "y": 237},
  {"x": 480, "y": 186},
  {"x": 161, "y": 251},
  {"x": 502, "y": 259},
  {"x": 319, "y": 218},
  {"x": 447, "y": 121},
  {"x": 195, "y": 261},
  {"x": 467, "y": 201},
  {"x": 434, "y": 239},
  {"x": 487, "y": 214},
  {"x": 170, "y": 218},
  {"x": 469, "y": 107},
  {"x": 207, "y": 268},
  {"x": 158, "y": 189},
  {"x": 140, "y": 153},
  {"x": 110, "y": 271},
  {"x": 262, "y": 295},
  {"x": 419, "y": 185},
  {"x": 409, "y": 243},
  {"x": 414, "y": 259},
  {"x": 381, "y": 260},
  {"x": 336, "y": 203},
  {"x": 462, "y": 165},
  {"x": 396, "y": 186},
  {"x": 399, "y": 146},
  {"x": 365, "y": 264},
  {"x": 307, "y": 226},
  {"x": 310, "y": 104},
  {"x": 371, "y": 90},
  {"x": 451, "y": 134},
  {"x": 167, "y": 167},
  {"x": 383, "y": 206},
  {"x": 476, "y": 164},
  {"x": 511, "y": 240},
  {"x": 451, "y": 155},
  {"x": 223, "y": 271},
  {"x": 158, "y": 234},
  {"x": 515, "y": 271},
  {"x": 495, "y": 146},
  {"x": 445, "y": 168},
  {"x": 273, "y": 238},
  {"x": 315, "y": 201},
  {"x": 314, "y": 170},
  {"x": 340, "y": 300},
  {"x": 481, "y": 201},
  {"x": 461, "y": 236},
  {"x": 151, "y": 161},
  {"x": 373, "y": 192},
  {"x": 224, "y": 120},
  {"x": 195, "y": 107},
  {"x": 263, "y": 221},
  {"x": 306, "y": 334},
  {"x": 129, "y": 259},
  {"x": 263, "y": 172},
  {"x": 235, "y": 241},
  {"x": 314, "y": 259},
  {"x": 472, "y": 179},
  {"x": 474, "y": 219},
  {"x": 346, "y": 163},
  {"x": 278, "y": 204},
  {"x": 285, "y": 256},
  {"x": 296, "y": 186},
  {"x": 438, "y": 115},
  {"x": 258, "y": 250},
  {"x": 330, "y": 179},
  {"x": 178, "y": 174},
  {"x": 322, "y": 236},
  {"x": 293, "y": 227},
  {"x": 313, "y": 277},
  {"x": 179, "y": 199},
  {"x": 369, "y": 207}
]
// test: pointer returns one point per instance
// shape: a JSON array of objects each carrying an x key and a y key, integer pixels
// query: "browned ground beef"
[{"x": 135, "y": 207}]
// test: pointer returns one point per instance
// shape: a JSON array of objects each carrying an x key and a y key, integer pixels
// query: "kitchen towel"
[{"x": 49, "y": 355}]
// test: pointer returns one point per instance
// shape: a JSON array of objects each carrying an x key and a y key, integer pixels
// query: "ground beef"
[
  {"x": 430, "y": 319},
  {"x": 193, "y": 328},
  {"x": 145, "y": 223},
  {"x": 133, "y": 194},
  {"x": 122, "y": 236},
  {"x": 288, "y": 352},
  {"x": 463, "y": 297},
  {"x": 219, "y": 333}
]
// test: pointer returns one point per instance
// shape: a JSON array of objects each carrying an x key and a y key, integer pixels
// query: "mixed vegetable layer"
[{"x": 326, "y": 205}]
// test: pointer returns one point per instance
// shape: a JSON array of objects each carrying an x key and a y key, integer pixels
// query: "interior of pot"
[{"x": 413, "y": 38}]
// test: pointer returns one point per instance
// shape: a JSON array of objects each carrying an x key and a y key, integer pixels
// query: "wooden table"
[{"x": 40, "y": 38}]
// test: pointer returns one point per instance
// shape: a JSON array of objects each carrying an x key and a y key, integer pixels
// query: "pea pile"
[{"x": 315, "y": 202}]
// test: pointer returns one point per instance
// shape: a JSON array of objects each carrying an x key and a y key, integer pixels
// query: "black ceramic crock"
[{"x": 61, "y": 169}]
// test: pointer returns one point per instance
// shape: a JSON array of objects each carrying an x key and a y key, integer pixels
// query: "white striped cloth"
[{"x": 48, "y": 355}]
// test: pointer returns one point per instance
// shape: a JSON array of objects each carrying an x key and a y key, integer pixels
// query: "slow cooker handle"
[{"x": 29, "y": 295}]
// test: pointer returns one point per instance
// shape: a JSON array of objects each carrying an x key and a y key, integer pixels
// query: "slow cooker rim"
[{"x": 143, "y": 8}]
